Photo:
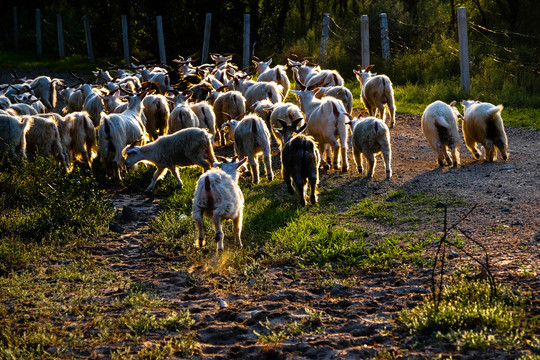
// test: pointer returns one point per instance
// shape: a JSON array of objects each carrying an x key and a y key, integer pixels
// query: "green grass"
[{"x": 469, "y": 317}]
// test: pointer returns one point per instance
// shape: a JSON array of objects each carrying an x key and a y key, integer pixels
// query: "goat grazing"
[
  {"x": 439, "y": 125},
  {"x": 219, "y": 197},
  {"x": 83, "y": 137},
  {"x": 299, "y": 161},
  {"x": 482, "y": 124},
  {"x": 13, "y": 134},
  {"x": 370, "y": 137},
  {"x": 376, "y": 92},
  {"x": 186, "y": 147}
]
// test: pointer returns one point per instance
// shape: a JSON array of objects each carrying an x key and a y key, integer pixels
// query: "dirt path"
[{"x": 356, "y": 318}]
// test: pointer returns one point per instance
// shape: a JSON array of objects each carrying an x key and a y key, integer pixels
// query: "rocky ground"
[
  {"x": 356, "y": 319},
  {"x": 356, "y": 314}
]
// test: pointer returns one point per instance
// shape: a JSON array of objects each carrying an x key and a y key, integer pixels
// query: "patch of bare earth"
[{"x": 357, "y": 312}]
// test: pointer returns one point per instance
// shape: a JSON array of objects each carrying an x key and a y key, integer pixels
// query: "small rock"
[
  {"x": 129, "y": 213},
  {"x": 452, "y": 255},
  {"x": 115, "y": 227},
  {"x": 505, "y": 209},
  {"x": 435, "y": 242},
  {"x": 365, "y": 234},
  {"x": 440, "y": 204},
  {"x": 222, "y": 303},
  {"x": 336, "y": 289}
]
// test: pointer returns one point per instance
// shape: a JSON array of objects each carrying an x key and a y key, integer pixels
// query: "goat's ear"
[
  {"x": 301, "y": 129},
  {"x": 283, "y": 123},
  {"x": 453, "y": 103},
  {"x": 241, "y": 116},
  {"x": 221, "y": 158},
  {"x": 357, "y": 72},
  {"x": 241, "y": 162},
  {"x": 295, "y": 123}
]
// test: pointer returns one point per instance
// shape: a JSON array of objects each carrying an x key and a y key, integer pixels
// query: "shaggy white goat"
[
  {"x": 440, "y": 127},
  {"x": 83, "y": 137},
  {"x": 377, "y": 92},
  {"x": 231, "y": 103},
  {"x": 181, "y": 117},
  {"x": 43, "y": 137},
  {"x": 277, "y": 74},
  {"x": 251, "y": 137},
  {"x": 219, "y": 197},
  {"x": 371, "y": 137},
  {"x": 156, "y": 111},
  {"x": 116, "y": 131},
  {"x": 13, "y": 134},
  {"x": 483, "y": 124},
  {"x": 338, "y": 92},
  {"x": 326, "y": 122},
  {"x": 206, "y": 116},
  {"x": 186, "y": 147}
]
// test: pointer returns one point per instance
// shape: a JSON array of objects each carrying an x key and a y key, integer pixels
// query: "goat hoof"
[
  {"x": 344, "y": 169},
  {"x": 313, "y": 199},
  {"x": 201, "y": 243}
]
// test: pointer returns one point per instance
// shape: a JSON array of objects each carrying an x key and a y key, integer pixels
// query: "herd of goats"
[{"x": 175, "y": 116}]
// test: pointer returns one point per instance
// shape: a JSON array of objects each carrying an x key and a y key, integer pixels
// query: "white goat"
[
  {"x": 326, "y": 122},
  {"x": 439, "y": 125},
  {"x": 83, "y": 137},
  {"x": 44, "y": 88},
  {"x": 263, "y": 90},
  {"x": 30, "y": 99},
  {"x": 312, "y": 77},
  {"x": 482, "y": 124},
  {"x": 206, "y": 116},
  {"x": 116, "y": 131},
  {"x": 287, "y": 112},
  {"x": 182, "y": 117},
  {"x": 371, "y": 137},
  {"x": 300, "y": 161},
  {"x": 276, "y": 74},
  {"x": 231, "y": 103},
  {"x": 251, "y": 137},
  {"x": 186, "y": 147},
  {"x": 43, "y": 137},
  {"x": 13, "y": 134},
  {"x": 156, "y": 110},
  {"x": 338, "y": 92},
  {"x": 219, "y": 197},
  {"x": 376, "y": 92}
]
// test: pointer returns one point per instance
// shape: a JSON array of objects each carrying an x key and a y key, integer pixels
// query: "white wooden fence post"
[
  {"x": 206, "y": 39},
  {"x": 60, "y": 36},
  {"x": 161, "y": 40},
  {"x": 39, "y": 47},
  {"x": 364, "y": 26},
  {"x": 463, "y": 49},
  {"x": 88, "y": 36},
  {"x": 324, "y": 35},
  {"x": 246, "y": 40},
  {"x": 15, "y": 28},
  {"x": 385, "y": 39},
  {"x": 126, "y": 39}
]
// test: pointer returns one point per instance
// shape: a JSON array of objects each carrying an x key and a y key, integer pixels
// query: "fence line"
[{"x": 391, "y": 36}]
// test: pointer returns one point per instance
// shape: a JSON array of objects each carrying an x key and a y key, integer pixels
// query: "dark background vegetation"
[{"x": 503, "y": 34}]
